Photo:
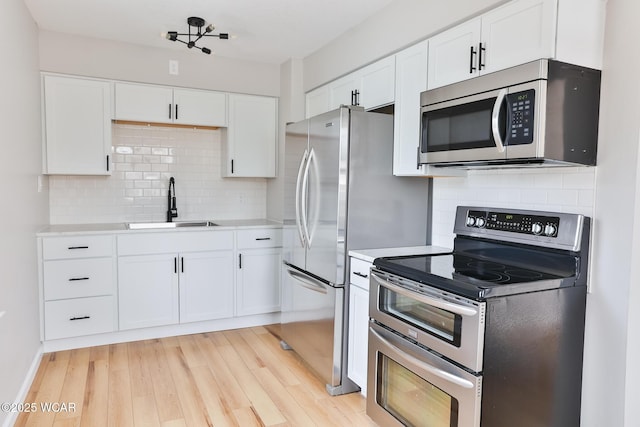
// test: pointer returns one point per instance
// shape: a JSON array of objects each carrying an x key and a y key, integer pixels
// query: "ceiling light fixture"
[{"x": 193, "y": 35}]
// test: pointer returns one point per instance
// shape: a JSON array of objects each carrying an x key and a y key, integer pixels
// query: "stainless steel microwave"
[{"x": 541, "y": 112}]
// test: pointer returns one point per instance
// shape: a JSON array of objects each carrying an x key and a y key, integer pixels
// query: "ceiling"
[{"x": 270, "y": 31}]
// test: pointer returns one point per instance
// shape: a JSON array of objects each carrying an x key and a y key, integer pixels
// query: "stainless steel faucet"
[{"x": 172, "y": 210}]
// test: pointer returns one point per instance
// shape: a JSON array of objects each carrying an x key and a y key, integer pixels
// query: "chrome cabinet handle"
[
  {"x": 71, "y": 248},
  {"x": 449, "y": 377},
  {"x": 77, "y": 279},
  {"x": 495, "y": 116},
  {"x": 80, "y": 318},
  {"x": 435, "y": 302},
  {"x": 364, "y": 276}
]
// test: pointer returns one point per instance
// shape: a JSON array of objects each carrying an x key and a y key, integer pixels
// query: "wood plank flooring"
[{"x": 229, "y": 378}]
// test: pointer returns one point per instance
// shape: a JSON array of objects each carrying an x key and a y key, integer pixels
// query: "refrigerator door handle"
[
  {"x": 306, "y": 281},
  {"x": 305, "y": 191},
  {"x": 313, "y": 216},
  {"x": 300, "y": 199}
]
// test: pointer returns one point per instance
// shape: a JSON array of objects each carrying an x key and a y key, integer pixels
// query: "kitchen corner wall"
[
  {"x": 144, "y": 157},
  {"x": 548, "y": 189}
]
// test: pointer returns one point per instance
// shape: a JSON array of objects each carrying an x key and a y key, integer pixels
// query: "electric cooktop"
[{"x": 469, "y": 276}]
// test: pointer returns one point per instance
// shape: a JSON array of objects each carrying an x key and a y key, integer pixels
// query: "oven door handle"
[
  {"x": 444, "y": 305},
  {"x": 447, "y": 376}
]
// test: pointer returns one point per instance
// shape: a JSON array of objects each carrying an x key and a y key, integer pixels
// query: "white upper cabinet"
[
  {"x": 370, "y": 87},
  {"x": 249, "y": 149},
  {"x": 377, "y": 83},
  {"x": 77, "y": 126},
  {"x": 344, "y": 91},
  {"x": 200, "y": 107},
  {"x": 518, "y": 32},
  {"x": 317, "y": 101},
  {"x": 159, "y": 104},
  {"x": 453, "y": 54},
  {"x": 411, "y": 80}
]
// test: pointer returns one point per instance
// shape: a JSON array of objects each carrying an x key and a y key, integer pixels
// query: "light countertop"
[
  {"x": 121, "y": 227},
  {"x": 370, "y": 255}
]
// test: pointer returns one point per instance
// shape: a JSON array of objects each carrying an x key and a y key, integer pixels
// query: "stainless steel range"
[{"x": 488, "y": 335}]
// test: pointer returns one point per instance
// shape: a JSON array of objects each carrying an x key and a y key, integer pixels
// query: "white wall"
[
  {"x": 399, "y": 25},
  {"x": 23, "y": 210},
  {"x": 63, "y": 53},
  {"x": 613, "y": 327}
]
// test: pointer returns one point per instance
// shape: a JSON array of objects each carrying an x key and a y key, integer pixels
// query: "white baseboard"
[
  {"x": 26, "y": 385},
  {"x": 160, "y": 332}
]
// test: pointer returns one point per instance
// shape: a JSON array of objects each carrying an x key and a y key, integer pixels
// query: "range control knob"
[
  {"x": 480, "y": 222},
  {"x": 550, "y": 230},
  {"x": 471, "y": 221},
  {"x": 536, "y": 228}
]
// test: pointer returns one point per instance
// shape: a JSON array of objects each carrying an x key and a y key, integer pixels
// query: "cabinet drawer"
[
  {"x": 77, "y": 247},
  {"x": 259, "y": 238},
  {"x": 359, "y": 275},
  {"x": 77, "y": 278},
  {"x": 175, "y": 241},
  {"x": 80, "y": 316}
]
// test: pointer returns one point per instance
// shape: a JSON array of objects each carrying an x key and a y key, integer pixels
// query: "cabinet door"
[
  {"x": 378, "y": 83},
  {"x": 144, "y": 103},
  {"x": 258, "y": 281},
  {"x": 251, "y": 136},
  {"x": 147, "y": 290},
  {"x": 518, "y": 32},
  {"x": 200, "y": 107},
  {"x": 411, "y": 80},
  {"x": 341, "y": 90},
  {"x": 77, "y": 123},
  {"x": 450, "y": 56},
  {"x": 358, "y": 336},
  {"x": 317, "y": 101},
  {"x": 206, "y": 286}
]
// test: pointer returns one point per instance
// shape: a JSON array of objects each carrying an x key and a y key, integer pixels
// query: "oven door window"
[
  {"x": 459, "y": 127},
  {"x": 412, "y": 399},
  {"x": 433, "y": 320}
]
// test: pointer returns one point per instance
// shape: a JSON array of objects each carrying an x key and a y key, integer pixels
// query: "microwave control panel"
[
  {"x": 520, "y": 107},
  {"x": 536, "y": 225}
]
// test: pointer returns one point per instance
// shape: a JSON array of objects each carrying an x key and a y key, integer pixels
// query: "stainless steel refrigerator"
[{"x": 340, "y": 194}]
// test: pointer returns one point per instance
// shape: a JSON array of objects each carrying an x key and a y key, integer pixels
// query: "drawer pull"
[
  {"x": 364, "y": 276},
  {"x": 77, "y": 247},
  {"x": 263, "y": 238},
  {"x": 80, "y": 318},
  {"x": 77, "y": 279}
]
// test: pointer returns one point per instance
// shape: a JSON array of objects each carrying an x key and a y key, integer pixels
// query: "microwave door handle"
[
  {"x": 495, "y": 120},
  {"x": 435, "y": 302},
  {"x": 449, "y": 377},
  {"x": 300, "y": 199}
]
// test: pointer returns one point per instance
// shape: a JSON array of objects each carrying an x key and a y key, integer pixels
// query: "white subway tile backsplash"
[
  {"x": 144, "y": 159},
  {"x": 551, "y": 189}
]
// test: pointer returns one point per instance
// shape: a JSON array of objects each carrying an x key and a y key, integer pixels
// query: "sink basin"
[{"x": 176, "y": 224}]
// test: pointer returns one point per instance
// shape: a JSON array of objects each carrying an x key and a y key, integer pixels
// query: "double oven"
[{"x": 490, "y": 334}]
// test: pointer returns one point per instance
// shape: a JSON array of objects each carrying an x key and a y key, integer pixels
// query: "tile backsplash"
[
  {"x": 143, "y": 160},
  {"x": 548, "y": 189}
]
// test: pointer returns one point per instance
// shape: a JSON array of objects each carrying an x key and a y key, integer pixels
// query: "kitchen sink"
[{"x": 175, "y": 224}]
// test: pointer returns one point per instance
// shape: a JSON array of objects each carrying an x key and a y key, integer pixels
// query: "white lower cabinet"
[
  {"x": 147, "y": 291},
  {"x": 193, "y": 284},
  {"x": 206, "y": 286},
  {"x": 358, "y": 323},
  {"x": 258, "y": 276}
]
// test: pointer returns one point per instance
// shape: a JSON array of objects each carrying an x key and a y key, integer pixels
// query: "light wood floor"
[{"x": 230, "y": 378}]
